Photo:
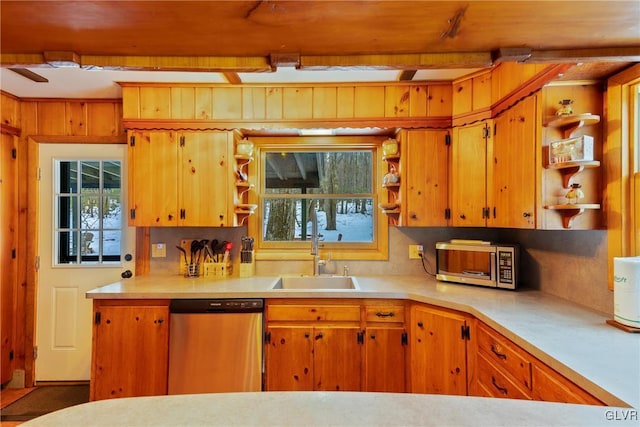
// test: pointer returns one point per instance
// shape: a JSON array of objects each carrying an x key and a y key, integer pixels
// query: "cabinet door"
[
  {"x": 204, "y": 186},
  {"x": 384, "y": 363},
  {"x": 337, "y": 359},
  {"x": 468, "y": 175},
  {"x": 427, "y": 159},
  {"x": 130, "y": 351},
  {"x": 289, "y": 358},
  {"x": 153, "y": 179},
  {"x": 511, "y": 183},
  {"x": 438, "y": 352}
]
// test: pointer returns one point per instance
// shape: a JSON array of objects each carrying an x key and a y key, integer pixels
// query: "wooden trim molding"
[
  {"x": 442, "y": 122},
  {"x": 10, "y": 130},
  {"x": 618, "y": 168}
]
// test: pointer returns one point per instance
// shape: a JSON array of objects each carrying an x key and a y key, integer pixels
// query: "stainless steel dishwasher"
[{"x": 215, "y": 345}]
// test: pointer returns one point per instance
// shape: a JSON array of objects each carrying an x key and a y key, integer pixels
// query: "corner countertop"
[
  {"x": 330, "y": 408},
  {"x": 570, "y": 338}
]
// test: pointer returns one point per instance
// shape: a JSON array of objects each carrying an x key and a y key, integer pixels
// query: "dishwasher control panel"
[{"x": 234, "y": 305}]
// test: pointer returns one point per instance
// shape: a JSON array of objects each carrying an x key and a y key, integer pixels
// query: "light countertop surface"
[
  {"x": 331, "y": 408},
  {"x": 570, "y": 338}
]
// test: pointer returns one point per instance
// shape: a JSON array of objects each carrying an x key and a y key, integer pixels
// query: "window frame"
[{"x": 377, "y": 250}]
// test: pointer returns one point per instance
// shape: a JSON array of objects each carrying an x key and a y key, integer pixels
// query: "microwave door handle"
[
  {"x": 494, "y": 266},
  {"x": 474, "y": 273}
]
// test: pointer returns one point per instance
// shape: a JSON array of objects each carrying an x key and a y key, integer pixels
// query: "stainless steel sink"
[{"x": 316, "y": 282}]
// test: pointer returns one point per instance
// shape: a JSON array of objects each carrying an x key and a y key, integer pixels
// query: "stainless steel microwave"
[{"x": 477, "y": 262}]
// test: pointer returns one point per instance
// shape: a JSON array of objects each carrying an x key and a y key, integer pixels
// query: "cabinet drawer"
[
  {"x": 503, "y": 354},
  {"x": 314, "y": 313},
  {"x": 550, "y": 386},
  {"x": 497, "y": 384},
  {"x": 385, "y": 313}
]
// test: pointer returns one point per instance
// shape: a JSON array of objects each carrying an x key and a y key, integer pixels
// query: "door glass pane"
[
  {"x": 67, "y": 247},
  {"x": 111, "y": 242},
  {"x": 90, "y": 175},
  {"x": 68, "y": 212},
  {"x": 68, "y": 177},
  {"x": 90, "y": 213}
]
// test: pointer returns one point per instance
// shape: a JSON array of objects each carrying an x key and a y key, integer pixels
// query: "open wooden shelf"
[
  {"x": 569, "y": 212},
  {"x": 569, "y": 124},
  {"x": 570, "y": 169}
]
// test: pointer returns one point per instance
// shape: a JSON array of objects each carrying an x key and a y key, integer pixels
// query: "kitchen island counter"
[
  {"x": 570, "y": 338},
  {"x": 330, "y": 408}
]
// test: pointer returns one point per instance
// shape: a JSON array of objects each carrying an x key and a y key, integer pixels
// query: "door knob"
[{"x": 127, "y": 274}]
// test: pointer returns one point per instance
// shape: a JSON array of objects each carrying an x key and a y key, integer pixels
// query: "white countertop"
[
  {"x": 331, "y": 408},
  {"x": 572, "y": 339}
]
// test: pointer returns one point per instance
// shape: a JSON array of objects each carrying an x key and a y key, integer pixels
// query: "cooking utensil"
[
  {"x": 184, "y": 253},
  {"x": 194, "y": 248}
]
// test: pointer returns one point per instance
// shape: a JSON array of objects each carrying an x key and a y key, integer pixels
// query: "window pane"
[
  {"x": 111, "y": 243},
  {"x": 90, "y": 175},
  {"x": 68, "y": 177},
  {"x": 68, "y": 212},
  {"x": 90, "y": 243},
  {"x": 337, "y": 172},
  {"x": 90, "y": 212},
  {"x": 68, "y": 247},
  {"x": 339, "y": 220},
  {"x": 112, "y": 212},
  {"x": 111, "y": 176}
]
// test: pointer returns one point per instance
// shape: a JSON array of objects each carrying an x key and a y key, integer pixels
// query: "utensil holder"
[
  {"x": 192, "y": 270},
  {"x": 217, "y": 269}
]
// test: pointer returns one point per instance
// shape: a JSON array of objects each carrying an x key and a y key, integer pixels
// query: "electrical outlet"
[{"x": 415, "y": 251}]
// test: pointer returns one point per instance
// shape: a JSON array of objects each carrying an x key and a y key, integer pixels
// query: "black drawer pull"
[
  {"x": 387, "y": 314},
  {"x": 502, "y": 390},
  {"x": 497, "y": 353}
]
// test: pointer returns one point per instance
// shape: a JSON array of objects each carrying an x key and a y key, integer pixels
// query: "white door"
[{"x": 83, "y": 241}]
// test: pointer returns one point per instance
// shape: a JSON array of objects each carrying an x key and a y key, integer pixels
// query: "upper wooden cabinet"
[
  {"x": 470, "y": 147},
  {"x": 425, "y": 184},
  {"x": 180, "y": 178},
  {"x": 511, "y": 187}
]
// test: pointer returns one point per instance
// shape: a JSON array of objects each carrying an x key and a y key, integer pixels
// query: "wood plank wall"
[
  {"x": 32, "y": 122},
  {"x": 256, "y": 104}
]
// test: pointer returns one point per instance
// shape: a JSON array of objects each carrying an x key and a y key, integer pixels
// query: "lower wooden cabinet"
[
  {"x": 438, "y": 347},
  {"x": 130, "y": 351},
  {"x": 385, "y": 344},
  {"x": 312, "y": 346},
  {"x": 506, "y": 370}
]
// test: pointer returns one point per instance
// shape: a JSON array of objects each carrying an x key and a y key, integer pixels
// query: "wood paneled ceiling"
[{"x": 260, "y": 35}]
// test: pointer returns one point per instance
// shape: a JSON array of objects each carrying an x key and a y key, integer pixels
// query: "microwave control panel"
[{"x": 505, "y": 266}]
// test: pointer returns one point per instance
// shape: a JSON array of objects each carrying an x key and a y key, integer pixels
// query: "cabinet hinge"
[
  {"x": 447, "y": 139},
  {"x": 405, "y": 339},
  {"x": 183, "y": 214},
  {"x": 494, "y": 212},
  {"x": 132, "y": 141},
  {"x": 13, "y": 253},
  {"x": 39, "y": 174},
  {"x": 181, "y": 140},
  {"x": 495, "y": 129},
  {"x": 132, "y": 213},
  {"x": 14, "y": 153},
  {"x": 267, "y": 337},
  {"x": 465, "y": 332},
  {"x": 97, "y": 318},
  {"x": 486, "y": 133},
  {"x": 360, "y": 337},
  {"x": 447, "y": 213},
  {"x": 11, "y": 355},
  {"x": 37, "y": 263},
  {"x": 35, "y": 352}
]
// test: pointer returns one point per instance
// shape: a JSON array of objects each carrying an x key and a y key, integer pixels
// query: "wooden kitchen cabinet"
[
  {"x": 385, "y": 344},
  {"x": 312, "y": 346},
  {"x": 438, "y": 348},
  {"x": 179, "y": 178},
  {"x": 426, "y": 157},
  {"x": 470, "y": 147},
  {"x": 130, "y": 351},
  {"x": 506, "y": 370},
  {"x": 511, "y": 171}
]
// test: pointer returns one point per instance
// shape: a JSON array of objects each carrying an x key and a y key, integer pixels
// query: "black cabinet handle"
[
  {"x": 463, "y": 216},
  {"x": 420, "y": 324},
  {"x": 502, "y": 390},
  {"x": 373, "y": 336},
  {"x": 497, "y": 353},
  {"x": 319, "y": 336},
  {"x": 526, "y": 214},
  {"x": 387, "y": 314}
]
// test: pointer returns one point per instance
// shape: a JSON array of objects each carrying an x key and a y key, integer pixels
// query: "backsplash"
[{"x": 568, "y": 264}]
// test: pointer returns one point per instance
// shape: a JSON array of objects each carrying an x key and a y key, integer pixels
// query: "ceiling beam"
[
  {"x": 407, "y": 75},
  {"x": 409, "y": 61},
  {"x": 610, "y": 54}
]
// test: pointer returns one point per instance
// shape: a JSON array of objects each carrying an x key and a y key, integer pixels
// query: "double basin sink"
[{"x": 316, "y": 282}]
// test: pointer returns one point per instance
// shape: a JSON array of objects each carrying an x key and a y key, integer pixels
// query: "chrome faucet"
[{"x": 317, "y": 262}]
